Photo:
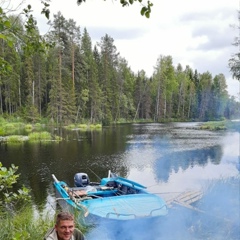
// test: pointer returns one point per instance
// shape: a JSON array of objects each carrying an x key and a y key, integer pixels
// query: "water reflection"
[{"x": 160, "y": 155}]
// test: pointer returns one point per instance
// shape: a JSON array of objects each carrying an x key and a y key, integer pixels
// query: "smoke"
[{"x": 218, "y": 219}]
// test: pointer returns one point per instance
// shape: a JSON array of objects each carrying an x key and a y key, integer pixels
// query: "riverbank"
[{"x": 221, "y": 125}]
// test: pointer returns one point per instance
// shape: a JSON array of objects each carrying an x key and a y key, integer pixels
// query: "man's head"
[{"x": 64, "y": 226}]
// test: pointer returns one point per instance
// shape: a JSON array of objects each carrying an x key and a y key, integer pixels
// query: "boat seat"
[{"x": 76, "y": 192}]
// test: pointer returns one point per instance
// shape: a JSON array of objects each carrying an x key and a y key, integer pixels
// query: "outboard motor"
[{"x": 81, "y": 180}]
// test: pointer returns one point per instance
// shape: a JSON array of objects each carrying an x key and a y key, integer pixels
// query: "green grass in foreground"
[
  {"x": 26, "y": 225},
  {"x": 23, "y": 225}
]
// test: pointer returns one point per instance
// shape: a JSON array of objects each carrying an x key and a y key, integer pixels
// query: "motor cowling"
[{"x": 81, "y": 180}]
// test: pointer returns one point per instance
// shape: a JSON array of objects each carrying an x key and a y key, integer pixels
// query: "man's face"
[{"x": 65, "y": 229}]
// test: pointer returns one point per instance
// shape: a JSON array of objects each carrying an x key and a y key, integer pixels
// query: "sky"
[{"x": 195, "y": 33}]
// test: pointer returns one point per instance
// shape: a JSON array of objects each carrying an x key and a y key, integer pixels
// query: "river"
[{"x": 171, "y": 157}]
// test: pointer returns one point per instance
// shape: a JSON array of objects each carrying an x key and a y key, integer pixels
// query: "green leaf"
[
  {"x": 143, "y": 10},
  {"x": 7, "y": 24},
  {"x": 147, "y": 14}
]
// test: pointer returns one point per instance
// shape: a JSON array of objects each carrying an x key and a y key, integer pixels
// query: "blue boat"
[{"x": 113, "y": 198}]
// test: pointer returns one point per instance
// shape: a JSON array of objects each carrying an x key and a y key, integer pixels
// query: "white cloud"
[{"x": 194, "y": 33}]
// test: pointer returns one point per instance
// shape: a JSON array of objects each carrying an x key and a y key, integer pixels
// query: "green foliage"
[
  {"x": 29, "y": 127},
  {"x": 45, "y": 9},
  {"x": 40, "y": 136},
  {"x": 71, "y": 126},
  {"x": 16, "y": 139},
  {"x": 18, "y": 220},
  {"x": 145, "y": 10},
  {"x": 8, "y": 178},
  {"x": 221, "y": 125},
  {"x": 82, "y": 126},
  {"x": 24, "y": 224}
]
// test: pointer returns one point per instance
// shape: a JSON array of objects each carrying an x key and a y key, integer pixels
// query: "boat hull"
[{"x": 109, "y": 205}]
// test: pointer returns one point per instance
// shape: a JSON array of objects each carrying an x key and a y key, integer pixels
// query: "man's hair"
[{"x": 64, "y": 216}]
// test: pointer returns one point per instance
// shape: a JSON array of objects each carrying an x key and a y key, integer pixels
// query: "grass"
[
  {"x": 84, "y": 126},
  {"x": 24, "y": 225},
  {"x": 40, "y": 136},
  {"x": 43, "y": 136},
  {"x": 95, "y": 126},
  {"x": 219, "y": 125},
  {"x": 28, "y": 127},
  {"x": 16, "y": 139}
]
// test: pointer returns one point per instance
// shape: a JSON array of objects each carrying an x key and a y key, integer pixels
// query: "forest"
[{"x": 60, "y": 76}]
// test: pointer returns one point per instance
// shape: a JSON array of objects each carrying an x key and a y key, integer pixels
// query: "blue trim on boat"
[{"x": 115, "y": 198}]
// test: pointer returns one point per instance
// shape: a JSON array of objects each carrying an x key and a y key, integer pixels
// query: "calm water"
[{"x": 164, "y": 157}]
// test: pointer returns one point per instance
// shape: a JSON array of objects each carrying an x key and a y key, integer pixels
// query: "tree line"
[{"x": 61, "y": 76}]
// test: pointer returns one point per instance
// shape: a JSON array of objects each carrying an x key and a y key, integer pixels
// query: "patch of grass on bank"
[
  {"x": 221, "y": 125},
  {"x": 16, "y": 139},
  {"x": 95, "y": 126},
  {"x": 84, "y": 126},
  {"x": 38, "y": 136},
  {"x": 43, "y": 136},
  {"x": 28, "y": 127},
  {"x": 70, "y": 126}
]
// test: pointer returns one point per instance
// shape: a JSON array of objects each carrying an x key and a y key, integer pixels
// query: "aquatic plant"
[
  {"x": 2, "y": 132},
  {"x": 220, "y": 125},
  {"x": 70, "y": 126},
  {"x": 82, "y": 126},
  {"x": 16, "y": 139},
  {"x": 95, "y": 126},
  {"x": 39, "y": 136},
  {"x": 28, "y": 127}
]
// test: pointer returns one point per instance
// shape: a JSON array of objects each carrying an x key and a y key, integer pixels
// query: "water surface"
[{"x": 166, "y": 158}]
